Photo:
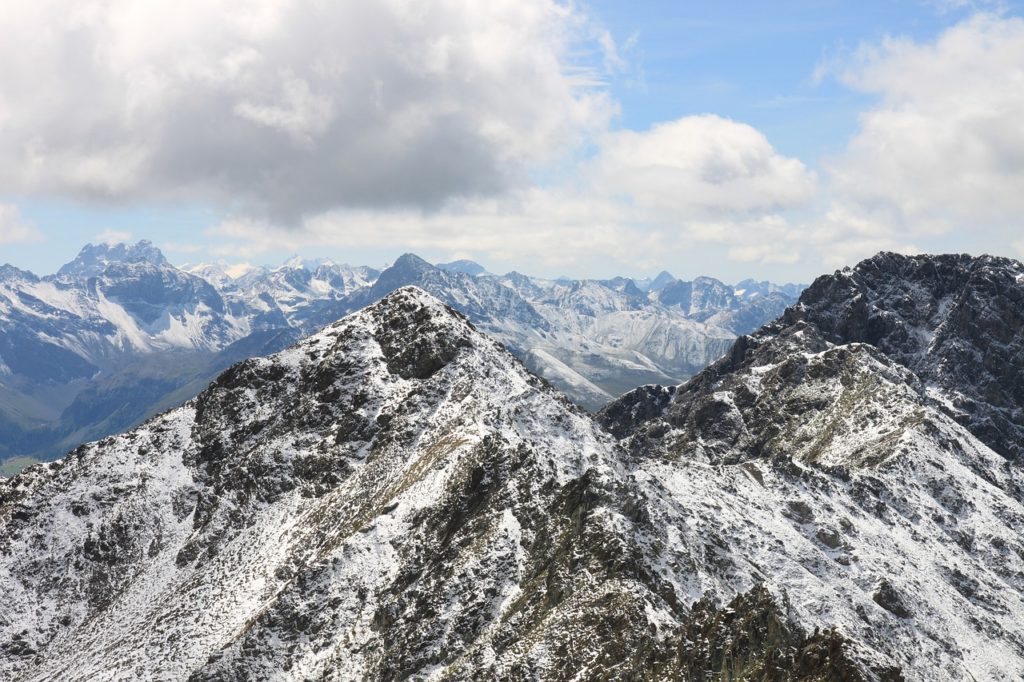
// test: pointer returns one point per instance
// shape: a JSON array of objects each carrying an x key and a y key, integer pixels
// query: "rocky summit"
[{"x": 397, "y": 497}]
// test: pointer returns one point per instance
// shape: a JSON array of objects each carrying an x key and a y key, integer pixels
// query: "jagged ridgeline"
[
  {"x": 397, "y": 497},
  {"x": 120, "y": 334}
]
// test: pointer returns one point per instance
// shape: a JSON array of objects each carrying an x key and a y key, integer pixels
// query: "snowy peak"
[
  {"x": 663, "y": 279},
  {"x": 301, "y": 294},
  {"x": 466, "y": 267},
  {"x": 418, "y": 334},
  {"x": 750, "y": 288},
  {"x": 220, "y": 274},
  {"x": 949, "y": 320},
  {"x": 484, "y": 300},
  {"x": 9, "y": 273},
  {"x": 93, "y": 259},
  {"x": 699, "y": 299},
  {"x": 407, "y": 267},
  {"x": 394, "y": 496}
]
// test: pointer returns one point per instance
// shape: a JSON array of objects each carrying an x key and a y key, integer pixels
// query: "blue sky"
[
  {"x": 783, "y": 89},
  {"x": 755, "y": 62}
]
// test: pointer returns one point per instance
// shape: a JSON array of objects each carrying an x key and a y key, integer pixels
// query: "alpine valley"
[
  {"x": 840, "y": 496},
  {"x": 119, "y": 334}
]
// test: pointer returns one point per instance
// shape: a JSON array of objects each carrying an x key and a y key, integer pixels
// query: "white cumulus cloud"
[
  {"x": 700, "y": 182},
  {"x": 286, "y": 107},
  {"x": 698, "y": 165},
  {"x": 942, "y": 153}
]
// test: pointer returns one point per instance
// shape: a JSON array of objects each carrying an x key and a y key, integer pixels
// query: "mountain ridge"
[
  {"x": 120, "y": 333},
  {"x": 405, "y": 499}
]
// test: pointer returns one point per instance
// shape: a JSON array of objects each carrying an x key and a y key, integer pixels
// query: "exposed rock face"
[
  {"x": 957, "y": 322},
  {"x": 751, "y": 639},
  {"x": 94, "y": 259}
]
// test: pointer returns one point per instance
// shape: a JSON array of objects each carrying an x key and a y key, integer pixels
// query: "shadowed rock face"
[
  {"x": 957, "y": 322},
  {"x": 751, "y": 638}
]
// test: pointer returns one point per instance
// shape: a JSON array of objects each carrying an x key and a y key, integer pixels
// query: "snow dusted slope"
[
  {"x": 837, "y": 477},
  {"x": 397, "y": 497},
  {"x": 393, "y": 496}
]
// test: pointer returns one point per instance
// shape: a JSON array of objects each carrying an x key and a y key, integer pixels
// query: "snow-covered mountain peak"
[
  {"x": 220, "y": 274},
  {"x": 413, "y": 300},
  {"x": 10, "y": 273},
  {"x": 955, "y": 322},
  {"x": 93, "y": 259},
  {"x": 663, "y": 279},
  {"x": 410, "y": 262},
  {"x": 417, "y": 333},
  {"x": 300, "y": 263}
]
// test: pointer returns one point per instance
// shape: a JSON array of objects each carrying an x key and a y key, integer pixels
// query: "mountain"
[
  {"x": 374, "y": 502},
  {"x": 593, "y": 339},
  {"x": 90, "y": 351},
  {"x": 115, "y": 336},
  {"x": 93, "y": 259},
  {"x": 466, "y": 267},
  {"x": 955, "y": 321},
  {"x": 120, "y": 334},
  {"x": 393, "y": 497},
  {"x": 659, "y": 282},
  {"x": 397, "y": 497},
  {"x": 869, "y": 449},
  {"x": 301, "y": 294}
]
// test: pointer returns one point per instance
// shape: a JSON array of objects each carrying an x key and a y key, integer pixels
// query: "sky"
[{"x": 734, "y": 139}]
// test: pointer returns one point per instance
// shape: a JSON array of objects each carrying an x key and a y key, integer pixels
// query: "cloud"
[
  {"x": 697, "y": 182},
  {"x": 14, "y": 229},
  {"x": 488, "y": 129},
  {"x": 292, "y": 107},
  {"x": 113, "y": 237},
  {"x": 942, "y": 153},
  {"x": 700, "y": 165}
]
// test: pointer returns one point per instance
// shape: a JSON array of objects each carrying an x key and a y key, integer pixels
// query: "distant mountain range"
[
  {"x": 119, "y": 334},
  {"x": 840, "y": 496}
]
